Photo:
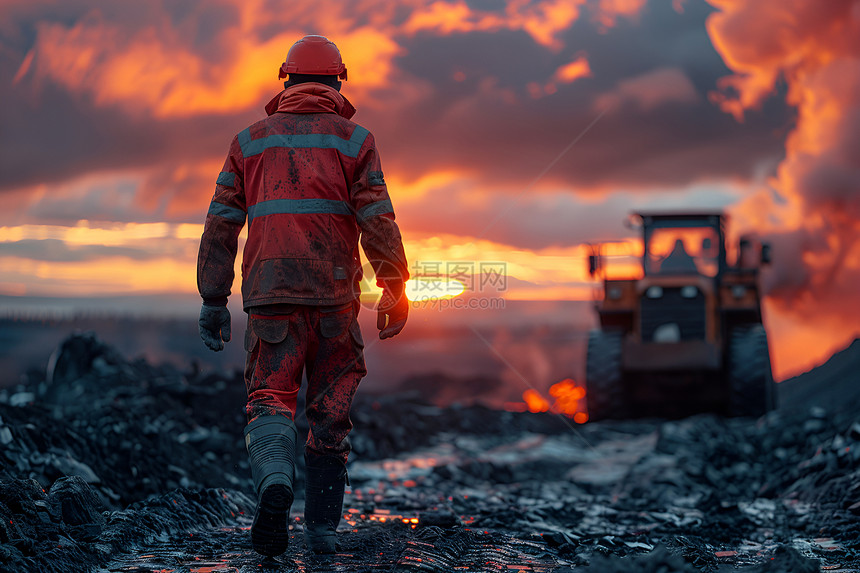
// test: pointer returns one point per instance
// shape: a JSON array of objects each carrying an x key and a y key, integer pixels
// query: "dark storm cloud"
[
  {"x": 55, "y": 250},
  {"x": 548, "y": 219},
  {"x": 56, "y": 136},
  {"x": 531, "y": 222},
  {"x": 670, "y": 144}
]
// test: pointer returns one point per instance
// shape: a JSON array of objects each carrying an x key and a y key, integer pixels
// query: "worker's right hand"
[
  {"x": 392, "y": 311},
  {"x": 214, "y": 326}
]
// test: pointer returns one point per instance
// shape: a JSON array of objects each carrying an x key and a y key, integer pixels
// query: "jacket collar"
[{"x": 311, "y": 97}]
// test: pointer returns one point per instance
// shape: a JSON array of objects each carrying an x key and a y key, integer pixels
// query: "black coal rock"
[
  {"x": 104, "y": 455},
  {"x": 69, "y": 528},
  {"x": 660, "y": 560},
  {"x": 786, "y": 558}
]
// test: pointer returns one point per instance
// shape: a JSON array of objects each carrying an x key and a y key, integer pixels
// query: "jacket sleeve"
[
  {"x": 380, "y": 236},
  {"x": 220, "y": 239}
]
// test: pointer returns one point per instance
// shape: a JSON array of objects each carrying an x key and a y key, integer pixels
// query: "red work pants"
[{"x": 325, "y": 342}]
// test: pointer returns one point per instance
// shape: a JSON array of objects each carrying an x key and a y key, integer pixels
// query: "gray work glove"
[
  {"x": 214, "y": 326},
  {"x": 392, "y": 311}
]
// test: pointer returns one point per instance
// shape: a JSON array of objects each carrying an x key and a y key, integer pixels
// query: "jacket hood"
[{"x": 311, "y": 97}]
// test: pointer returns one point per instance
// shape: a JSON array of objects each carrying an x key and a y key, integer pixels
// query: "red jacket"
[{"x": 309, "y": 181}]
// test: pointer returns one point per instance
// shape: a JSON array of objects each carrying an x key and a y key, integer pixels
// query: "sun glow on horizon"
[
  {"x": 430, "y": 288},
  {"x": 552, "y": 274}
]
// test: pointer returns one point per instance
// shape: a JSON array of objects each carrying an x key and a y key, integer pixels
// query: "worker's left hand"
[
  {"x": 214, "y": 326},
  {"x": 392, "y": 311}
]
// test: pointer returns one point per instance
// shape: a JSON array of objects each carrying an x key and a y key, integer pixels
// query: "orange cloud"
[
  {"x": 406, "y": 190},
  {"x": 568, "y": 73},
  {"x": 609, "y": 10},
  {"x": 543, "y": 21},
  {"x": 106, "y": 276},
  {"x": 452, "y": 17},
  {"x": 154, "y": 69},
  {"x": 574, "y": 70},
  {"x": 810, "y": 209},
  {"x": 793, "y": 350},
  {"x": 651, "y": 89},
  {"x": 801, "y": 36}
]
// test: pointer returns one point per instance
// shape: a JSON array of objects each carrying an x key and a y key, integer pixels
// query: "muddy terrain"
[{"x": 116, "y": 465}]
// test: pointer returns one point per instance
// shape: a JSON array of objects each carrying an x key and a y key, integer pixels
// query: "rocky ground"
[{"x": 116, "y": 465}]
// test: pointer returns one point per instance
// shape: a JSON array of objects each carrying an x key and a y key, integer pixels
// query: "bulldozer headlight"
[
  {"x": 614, "y": 293},
  {"x": 739, "y": 291},
  {"x": 669, "y": 333},
  {"x": 654, "y": 292},
  {"x": 689, "y": 292}
]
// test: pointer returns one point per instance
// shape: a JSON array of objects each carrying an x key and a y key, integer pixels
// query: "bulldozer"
[{"x": 686, "y": 336}]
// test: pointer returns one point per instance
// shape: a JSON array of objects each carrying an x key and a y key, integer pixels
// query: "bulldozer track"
[
  {"x": 368, "y": 549},
  {"x": 473, "y": 551}
]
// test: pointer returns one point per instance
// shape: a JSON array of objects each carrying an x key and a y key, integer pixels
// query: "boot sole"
[{"x": 270, "y": 533}]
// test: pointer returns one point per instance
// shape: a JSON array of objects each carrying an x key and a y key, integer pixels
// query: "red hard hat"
[{"x": 314, "y": 55}]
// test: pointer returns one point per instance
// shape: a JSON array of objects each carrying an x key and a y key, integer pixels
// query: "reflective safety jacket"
[{"x": 309, "y": 182}]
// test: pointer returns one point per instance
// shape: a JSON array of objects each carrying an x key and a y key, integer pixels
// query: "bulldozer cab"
[
  {"x": 684, "y": 244},
  {"x": 686, "y": 336}
]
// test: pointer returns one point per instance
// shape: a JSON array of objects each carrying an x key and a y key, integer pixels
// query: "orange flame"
[
  {"x": 567, "y": 396},
  {"x": 568, "y": 401},
  {"x": 534, "y": 401}
]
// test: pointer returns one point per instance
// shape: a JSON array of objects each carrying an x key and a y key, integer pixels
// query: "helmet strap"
[{"x": 296, "y": 79}]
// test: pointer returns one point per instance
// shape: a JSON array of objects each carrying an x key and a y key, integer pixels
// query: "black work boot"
[
  {"x": 325, "y": 480},
  {"x": 271, "y": 442}
]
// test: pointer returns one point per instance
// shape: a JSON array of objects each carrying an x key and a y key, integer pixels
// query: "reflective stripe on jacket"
[{"x": 309, "y": 182}]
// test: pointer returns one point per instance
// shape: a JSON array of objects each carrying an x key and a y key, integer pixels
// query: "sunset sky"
[{"x": 514, "y": 131}]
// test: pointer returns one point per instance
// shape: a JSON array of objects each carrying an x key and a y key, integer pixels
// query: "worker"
[
  {"x": 679, "y": 260},
  {"x": 310, "y": 183}
]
